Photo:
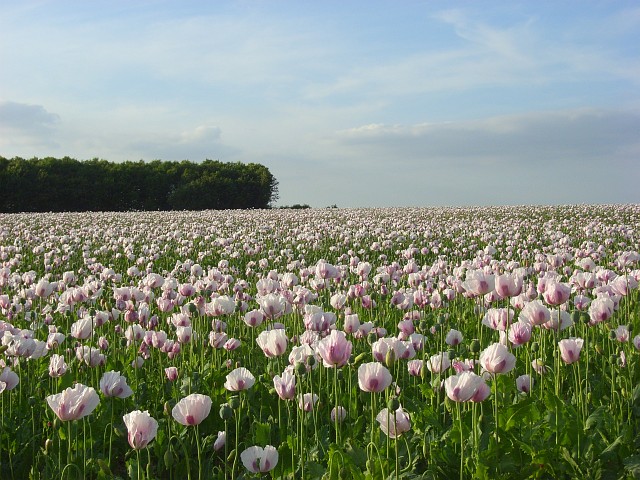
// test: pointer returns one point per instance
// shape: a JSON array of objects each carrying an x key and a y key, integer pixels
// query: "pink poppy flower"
[
  {"x": 272, "y": 342},
  {"x": 496, "y": 358},
  {"x": 259, "y": 460},
  {"x": 285, "y": 385},
  {"x": 373, "y": 377},
  {"x": 556, "y": 293},
  {"x": 239, "y": 379},
  {"x": 335, "y": 349},
  {"x": 192, "y": 409},
  {"x": 463, "y": 386},
  {"x": 57, "y": 366},
  {"x": 394, "y": 424},
  {"x": 112, "y": 384},
  {"x": 524, "y": 383},
  {"x": 141, "y": 428},
  {"x": 74, "y": 403},
  {"x": 570, "y": 349}
]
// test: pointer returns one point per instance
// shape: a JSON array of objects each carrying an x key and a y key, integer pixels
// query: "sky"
[{"x": 349, "y": 103}]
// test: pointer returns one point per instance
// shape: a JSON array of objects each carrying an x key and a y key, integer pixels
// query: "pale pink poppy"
[
  {"x": 454, "y": 337},
  {"x": 285, "y": 385},
  {"x": 601, "y": 309},
  {"x": 519, "y": 333},
  {"x": 9, "y": 378},
  {"x": 220, "y": 442},
  {"x": 253, "y": 318},
  {"x": 556, "y": 293},
  {"x": 478, "y": 283},
  {"x": 508, "y": 285},
  {"x": 141, "y": 428},
  {"x": 570, "y": 349},
  {"x": 192, "y": 409},
  {"x": 535, "y": 312},
  {"x": 524, "y": 383},
  {"x": 415, "y": 367},
  {"x": 373, "y": 377},
  {"x": 438, "y": 363},
  {"x": 338, "y": 413},
  {"x": 259, "y": 460},
  {"x": 171, "y": 373},
  {"x": 334, "y": 349},
  {"x": 112, "y": 384},
  {"x": 272, "y": 342},
  {"x": 462, "y": 386},
  {"x": 496, "y": 358},
  {"x": 307, "y": 401},
  {"x": 394, "y": 424},
  {"x": 57, "y": 366},
  {"x": 239, "y": 379},
  {"x": 74, "y": 403},
  {"x": 482, "y": 393}
]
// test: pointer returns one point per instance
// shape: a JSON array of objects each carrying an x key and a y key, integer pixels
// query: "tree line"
[{"x": 65, "y": 184}]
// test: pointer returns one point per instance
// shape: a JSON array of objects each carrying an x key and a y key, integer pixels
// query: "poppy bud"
[
  {"x": 475, "y": 346},
  {"x": 234, "y": 402},
  {"x": 168, "y": 458},
  {"x": 535, "y": 346},
  {"x": 393, "y": 404},
  {"x": 232, "y": 456},
  {"x": 301, "y": 368},
  {"x": 390, "y": 357},
  {"x": 226, "y": 412},
  {"x": 360, "y": 357}
]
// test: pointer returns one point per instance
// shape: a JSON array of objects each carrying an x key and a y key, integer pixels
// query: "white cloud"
[
  {"x": 23, "y": 125},
  {"x": 574, "y": 136}
]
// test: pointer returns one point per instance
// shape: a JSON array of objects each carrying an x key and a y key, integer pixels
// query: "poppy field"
[{"x": 413, "y": 343}]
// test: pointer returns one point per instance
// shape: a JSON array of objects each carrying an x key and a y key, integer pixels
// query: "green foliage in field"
[{"x": 63, "y": 185}]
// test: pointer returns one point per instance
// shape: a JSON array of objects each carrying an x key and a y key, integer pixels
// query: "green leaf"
[
  {"x": 596, "y": 419},
  {"x": 314, "y": 471},
  {"x": 263, "y": 434},
  {"x": 632, "y": 465}
]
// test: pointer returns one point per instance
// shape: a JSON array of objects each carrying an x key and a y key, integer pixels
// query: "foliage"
[{"x": 62, "y": 185}]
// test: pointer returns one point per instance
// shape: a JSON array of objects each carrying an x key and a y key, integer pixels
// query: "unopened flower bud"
[
  {"x": 234, "y": 402},
  {"x": 390, "y": 357},
  {"x": 226, "y": 412},
  {"x": 168, "y": 458},
  {"x": 475, "y": 346}
]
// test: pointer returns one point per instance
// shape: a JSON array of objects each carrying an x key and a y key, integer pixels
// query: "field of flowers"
[{"x": 321, "y": 344}]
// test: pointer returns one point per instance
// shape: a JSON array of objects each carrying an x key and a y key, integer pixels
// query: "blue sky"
[{"x": 354, "y": 103}]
